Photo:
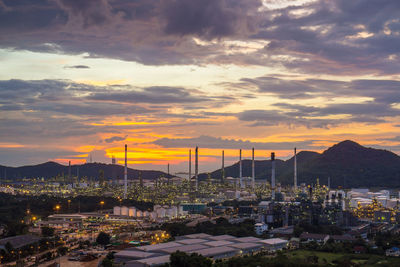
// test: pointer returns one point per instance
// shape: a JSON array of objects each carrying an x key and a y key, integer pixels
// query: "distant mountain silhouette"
[
  {"x": 348, "y": 164},
  {"x": 91, "y": 170}
]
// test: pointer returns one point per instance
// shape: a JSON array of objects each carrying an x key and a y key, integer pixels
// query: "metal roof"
[
  {"x": 133, "y": 254},
  {"x": 191, "y": 241},
  {"x": 159, "y": 246},
  {"x": 221, "y": 237},
  {"x": 218, "y": 243},
  {"x": 247, "y": 239},
  {"x": 247, "y": 245},
  {"x": 187, "y": 248},
  {"x": 210, "y": 252}
]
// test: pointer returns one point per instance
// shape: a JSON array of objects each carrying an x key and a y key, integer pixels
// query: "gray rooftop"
[
  {"x": 187, "y": 248},
  {"x": 218, "y": 243},
  {"x": 274, "y": 241},
  {"x": 246, "y": 239},
  {"x": 247, "y": 245},
  {"x": 221, "y": 237},
  {"x": 191, "y": 241},
  {"x": 159, "y": 246},
  {"x": 154, "y": 261},
  {"x": 210, "y": 252}
]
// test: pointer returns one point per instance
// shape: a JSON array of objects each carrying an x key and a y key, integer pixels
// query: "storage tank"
[
  {"x": 139, "y": 213},
  {"x": 124, "y": 211},
  {"x": 180, "y": 210},
  {"x": 132, "y": 212},
  {"x": 160, "y": 212},
  {"x": 117, "y": 210}
]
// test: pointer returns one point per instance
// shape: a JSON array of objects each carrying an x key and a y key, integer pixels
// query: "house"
[
  {"x": 393, "y": 252},
  {"x": 309, "y": 237}
]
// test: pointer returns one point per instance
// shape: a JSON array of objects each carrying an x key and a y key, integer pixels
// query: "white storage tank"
[
  {"x": 180, "y": 210},
  {"x": 139, "y": 213},
  {"x": 160, "y": 213},
  {"x": 117, "y": 210},
  {"x": 132, "y": 212},
  {"x": 174, "y": 211},
  {"x": 153, "y": 215},
  {"x": 124, "y": 211}
]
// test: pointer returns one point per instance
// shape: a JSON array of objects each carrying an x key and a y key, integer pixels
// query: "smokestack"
[
  {"x": 190, "y": 165},
  {"x": 240, "y": 169},
  {"x": 69, "y": 171},
  {"x": 295, "y": 170},
  {"x": 168, "y": 174},
  {"x": 329, "y": 182},
  {"x": 196, "y": 167},
  {"x": 77, "y": 174},
  {"x": 273, "y": 175},
  {"x": 126, "y": 172},
  {"x": 223, "y": 167},
  {"x": 253, "y": 170}
]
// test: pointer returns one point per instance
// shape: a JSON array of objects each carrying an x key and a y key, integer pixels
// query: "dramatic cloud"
[
  {"x": 115, "y": 139},
  {"x": 317, "y": 37},
  {"x": 221, "y": 143}
]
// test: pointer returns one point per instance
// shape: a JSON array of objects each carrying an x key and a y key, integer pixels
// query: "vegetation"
[
  {"x": 103, "y": 238},
  {"x": 221, "y": 226}
]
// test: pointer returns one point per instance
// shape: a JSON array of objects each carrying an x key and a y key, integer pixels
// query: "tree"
[
  {"x": 103, "y": 239},
  {"x": 8, "y": 247},
  {"x": 181, "y": 259},
  {"x": 107, "y": 263},
  {"x": 47, "y": 231}
]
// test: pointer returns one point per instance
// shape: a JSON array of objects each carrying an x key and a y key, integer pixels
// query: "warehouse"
[{"x": 215, "y": 247}]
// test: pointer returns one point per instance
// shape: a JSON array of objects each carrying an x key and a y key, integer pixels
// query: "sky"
[{"x": 85, "y": 77}]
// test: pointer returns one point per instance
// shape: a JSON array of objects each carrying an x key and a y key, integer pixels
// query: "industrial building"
[{"x": 214, "y": 247}]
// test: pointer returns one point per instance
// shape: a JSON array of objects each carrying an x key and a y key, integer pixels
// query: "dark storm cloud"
[
  {"x": 326, "y": 36},
  {"x": 382, "y": 91},
  {"x": 155, "y": 95},
  {"x": 381, "y": 96},
  {"x": 208, "y": 18},
  {"x": 205, "y": 141},
  {"x": 115, "y": 139},
  {"x": 91, "y": 12}
]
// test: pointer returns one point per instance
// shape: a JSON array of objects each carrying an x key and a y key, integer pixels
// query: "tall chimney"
[
  {"x": 273, "y": 175},
  {"x": 69, "y": 171},
  {"x": 77, "y": 174},
  {"x": 240, "y": 169},
  {"x": 253, "y": 170},
  {"x": 190, "y": 165},
  {"x": 168, "y": 173},
  {"x": 295, "y": 170},
  {"x": 223, "y": 167},
  {"x": 126, "y": 172},
  {"x": 196, "y": 167}
]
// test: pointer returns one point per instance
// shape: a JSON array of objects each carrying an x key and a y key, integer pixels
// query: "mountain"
[
  {"x": 91, "y": 170},
  {"x": 348, "y": 164}
]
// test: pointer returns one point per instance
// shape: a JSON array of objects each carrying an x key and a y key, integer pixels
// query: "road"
[{"x": 64, "y": 262}]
